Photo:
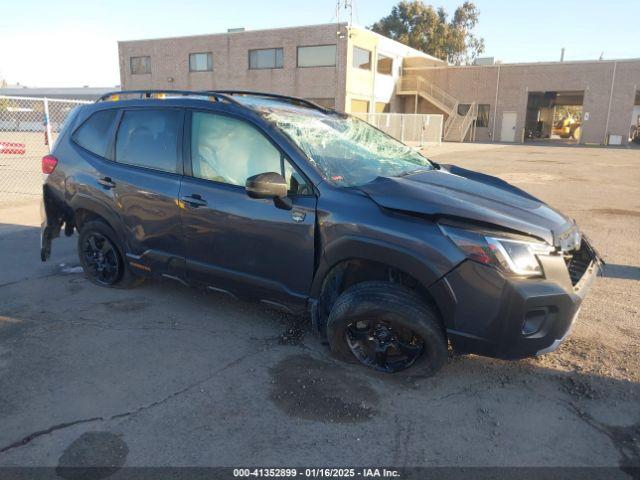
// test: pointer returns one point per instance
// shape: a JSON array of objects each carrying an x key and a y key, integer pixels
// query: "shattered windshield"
[{"x": 348, "y": 151}]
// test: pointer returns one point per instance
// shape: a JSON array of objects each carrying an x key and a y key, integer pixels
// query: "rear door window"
[
  {"x": 150, "y": 138},
  {"x": 93, "y": 134}
]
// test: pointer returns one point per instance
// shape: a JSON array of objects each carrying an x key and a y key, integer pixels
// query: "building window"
[
  {"x": 361, "y": 58},
  {"x": 324, "y": 102},
  {"x": 140, "y": 65},
  {"x": 463, "y": 108},
  {"x": 201, "y": 62},
  {"x": 266, "y": 58},
  {"x": 359, "y": 106},
  {"x": 385, "y": 65},
  {"x": 317, "y": 56},
  {"x": 382, "y": 107},
  {"x": 483, "y": 115}
]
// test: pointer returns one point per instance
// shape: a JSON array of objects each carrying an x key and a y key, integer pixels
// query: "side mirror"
[{"x": 269, "y": 185}]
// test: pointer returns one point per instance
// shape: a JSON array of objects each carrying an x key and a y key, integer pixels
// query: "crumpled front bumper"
[{"x": 488, "y": 314}]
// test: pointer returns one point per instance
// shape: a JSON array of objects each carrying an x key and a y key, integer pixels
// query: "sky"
[{"x": 71, "y": 43}]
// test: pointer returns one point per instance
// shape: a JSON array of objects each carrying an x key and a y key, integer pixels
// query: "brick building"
[{"x": 355, "y": 70}]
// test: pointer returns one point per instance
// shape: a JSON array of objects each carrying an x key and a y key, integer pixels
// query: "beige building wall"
[
  {"x": 170, "y": 62},
  {"x": 370, "y": 86},
  {"x": 343, "y": 82},
  {"x": 503, "y": 87},
  {"x": 511, "y": 83}
]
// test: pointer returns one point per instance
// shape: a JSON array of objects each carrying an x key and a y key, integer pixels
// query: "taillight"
[{"x": 49, "y": 163}]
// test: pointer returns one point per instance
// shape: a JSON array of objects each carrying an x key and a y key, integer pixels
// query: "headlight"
[{"x": 511, "y": 256}]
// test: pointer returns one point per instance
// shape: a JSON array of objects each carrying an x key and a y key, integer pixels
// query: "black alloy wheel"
[
  {"x": 101, "y": 258},
  {"x": 383, "y": 345}
]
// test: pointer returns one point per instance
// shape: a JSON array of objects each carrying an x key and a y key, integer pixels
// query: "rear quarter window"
[{"x": 93, "y": 134}]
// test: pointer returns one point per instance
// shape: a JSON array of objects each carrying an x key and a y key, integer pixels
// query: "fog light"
[{"x": 533, "y": 321}]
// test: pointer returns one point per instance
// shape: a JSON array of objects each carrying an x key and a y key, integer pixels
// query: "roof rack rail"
[
  {"x": 156, "y": 94},
  {"x": 301, "y": 101}
]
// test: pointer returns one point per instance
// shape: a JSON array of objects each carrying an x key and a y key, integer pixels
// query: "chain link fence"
[
  {"x": 28, "y": 126},
  {"x": 412, "y": 129}
]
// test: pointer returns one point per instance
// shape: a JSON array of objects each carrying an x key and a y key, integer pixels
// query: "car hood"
[{"x": 455, "y": 192}]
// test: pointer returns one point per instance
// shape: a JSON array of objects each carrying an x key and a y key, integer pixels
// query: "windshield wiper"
[{"x": 415, "y": 171}]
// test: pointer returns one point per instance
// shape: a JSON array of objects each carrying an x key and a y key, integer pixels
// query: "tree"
[{"x": 424, "y": 28}]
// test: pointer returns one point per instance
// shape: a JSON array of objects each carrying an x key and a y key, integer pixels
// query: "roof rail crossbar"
[
  {"x": 185, "y": 93},
  {"x": 301, "y": 101}
]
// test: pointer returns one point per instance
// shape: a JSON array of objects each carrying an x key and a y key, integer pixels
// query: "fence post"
[
  {"x": 47, "y": 123},
  {"x": 402, "y": 128}
]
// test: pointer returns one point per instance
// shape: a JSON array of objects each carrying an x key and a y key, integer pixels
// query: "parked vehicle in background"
[
  {"x": 567, "y": 127},
  {"x": 307, "y": 209}
]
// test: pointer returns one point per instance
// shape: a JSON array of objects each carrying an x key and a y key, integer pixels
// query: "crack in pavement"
[
  {"x": 32, "y": 436},
  {"x": 61, "y": 426},
  {"x": 625, "y": 439},
  {"x": 15, "y": 282}
]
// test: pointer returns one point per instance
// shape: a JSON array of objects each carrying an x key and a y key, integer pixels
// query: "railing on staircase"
[
  {"x": 439, "y": 97},
  {"x": 419, "y": 84},
  {"x": 451, "y": 120},
  {"x": 456, "y": 126},
  {"x": 462, "y": 128}
]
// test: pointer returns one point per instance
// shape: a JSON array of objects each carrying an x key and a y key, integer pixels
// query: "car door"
[
  {"x": 236, "y": 243},
  {"x": 144, "y": 180}
]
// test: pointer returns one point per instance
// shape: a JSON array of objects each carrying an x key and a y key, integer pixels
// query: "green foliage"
[{"x": 432, "y": 31}]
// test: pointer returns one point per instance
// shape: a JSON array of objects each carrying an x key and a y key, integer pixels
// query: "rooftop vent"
[{"x": 484, "y": 61}]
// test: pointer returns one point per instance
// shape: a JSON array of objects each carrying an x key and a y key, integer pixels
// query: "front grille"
[{"x": 578, "y": 262}]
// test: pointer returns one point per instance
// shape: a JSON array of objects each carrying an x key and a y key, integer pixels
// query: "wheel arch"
[
  {"x": 86, "y": 209},
  {"x": 352, "y": 260}
]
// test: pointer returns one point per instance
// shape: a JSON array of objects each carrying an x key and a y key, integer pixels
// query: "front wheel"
[{"x": 387, "y": 327}]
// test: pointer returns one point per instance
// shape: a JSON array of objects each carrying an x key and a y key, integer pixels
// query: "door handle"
[
  {"x": 106, "y": 182},
  {"x": 194, "y": 200}
]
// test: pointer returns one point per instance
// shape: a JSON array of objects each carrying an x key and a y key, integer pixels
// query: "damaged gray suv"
[{"x": 310, "y": 210}]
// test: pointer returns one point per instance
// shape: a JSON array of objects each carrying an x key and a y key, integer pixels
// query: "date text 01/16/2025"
[{"x": 316, "y": 473}]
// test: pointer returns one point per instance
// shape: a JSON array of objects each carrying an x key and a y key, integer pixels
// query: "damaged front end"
[{"x": 523, "y": 311}]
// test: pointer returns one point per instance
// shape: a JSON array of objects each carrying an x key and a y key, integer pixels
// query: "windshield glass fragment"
[{"x": 346, "y": 150}]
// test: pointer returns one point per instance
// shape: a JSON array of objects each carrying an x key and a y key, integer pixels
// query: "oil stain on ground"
[
  {"x": 93, "y": 456},
  {"x": 312, "y": 389}
]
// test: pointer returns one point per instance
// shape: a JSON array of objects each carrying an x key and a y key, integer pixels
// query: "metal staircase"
[{"x": 456, "y": 126}]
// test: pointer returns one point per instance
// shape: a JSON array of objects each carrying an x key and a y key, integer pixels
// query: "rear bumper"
[{"x": 495, "y": 316}]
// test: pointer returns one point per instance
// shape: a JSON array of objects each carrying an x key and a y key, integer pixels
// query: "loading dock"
[{"x": 554, "y": 116}]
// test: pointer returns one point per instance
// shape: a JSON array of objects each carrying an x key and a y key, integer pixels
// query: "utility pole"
[{"x": 347, "y": 5}]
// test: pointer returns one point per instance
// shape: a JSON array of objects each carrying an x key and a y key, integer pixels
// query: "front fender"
[{"x": 351, "y": 247}]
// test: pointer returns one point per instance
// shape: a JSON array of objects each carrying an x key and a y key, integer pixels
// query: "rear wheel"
[
  {"x": 102, "y": 259},
  {"x": 388, "y": 328}
]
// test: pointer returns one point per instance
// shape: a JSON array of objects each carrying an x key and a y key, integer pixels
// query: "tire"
[
  {"x": 576, "y": 133},
  {"x": 401, "y": 310},
  {"x": 105, "y": 239}
]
